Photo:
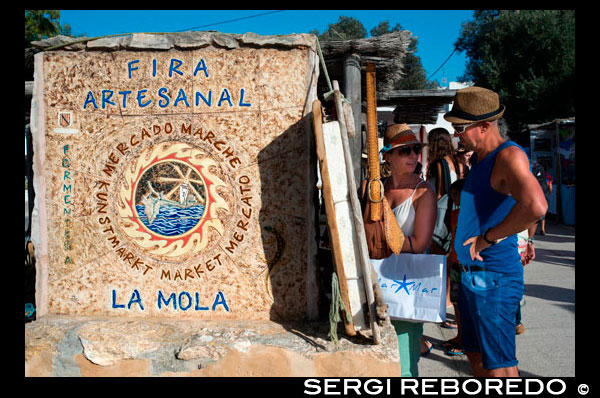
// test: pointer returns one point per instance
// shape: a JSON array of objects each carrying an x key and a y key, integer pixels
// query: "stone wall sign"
[{"x": 174, "y": 177}]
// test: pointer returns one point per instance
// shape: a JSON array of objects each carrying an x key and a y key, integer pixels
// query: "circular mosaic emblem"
[{"x": 169, "y": 199}]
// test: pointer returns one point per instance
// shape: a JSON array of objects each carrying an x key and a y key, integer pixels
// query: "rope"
[
  {"x": 330, "y": 92},
  {"x": 334, "y": 310}
]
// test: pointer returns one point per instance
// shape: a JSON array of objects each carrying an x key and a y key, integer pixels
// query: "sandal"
[
  {"x": 428, "y": 350},
  {"x": 454, "y": 348},
  {"x": 455, "y": 351}
]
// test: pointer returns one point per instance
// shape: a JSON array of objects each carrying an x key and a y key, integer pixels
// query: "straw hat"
[
  {"x": 475, "y": 104},
  {"x": 398, "y": 135}
]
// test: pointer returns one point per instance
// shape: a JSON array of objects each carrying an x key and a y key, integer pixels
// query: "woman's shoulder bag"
[
  {"x": 442, "y": 233},
  {"x": 384, "y": 236}
]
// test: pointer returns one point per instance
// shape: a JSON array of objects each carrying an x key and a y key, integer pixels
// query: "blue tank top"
[{"x": 482, "y": 207}]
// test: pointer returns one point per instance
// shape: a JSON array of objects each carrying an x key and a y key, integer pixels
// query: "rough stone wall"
[
  {"x": 73, "y": 346},
  {"x": 174, "y": 177}
]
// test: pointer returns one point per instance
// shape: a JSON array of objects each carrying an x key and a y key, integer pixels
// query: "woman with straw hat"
[{"x": 413, "y": 202}]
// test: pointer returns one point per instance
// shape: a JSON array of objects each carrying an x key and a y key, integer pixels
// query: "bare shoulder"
[
  {"x": 510, "y": 170},
  {"x": 426, "y": 186},
  {"x": 511, "y": 154},
  {"x": 425, "y": 189}
]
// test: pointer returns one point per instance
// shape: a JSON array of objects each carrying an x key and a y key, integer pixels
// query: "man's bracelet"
[
  {"x": 491, "y": 242},
  {"x": 530, "y": 240}
]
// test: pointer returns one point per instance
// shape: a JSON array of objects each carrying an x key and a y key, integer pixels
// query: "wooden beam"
[{"x": 352, "y": 91}]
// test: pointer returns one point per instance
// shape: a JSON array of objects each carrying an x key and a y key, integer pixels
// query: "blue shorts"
[{"x": 488, "y": 302}]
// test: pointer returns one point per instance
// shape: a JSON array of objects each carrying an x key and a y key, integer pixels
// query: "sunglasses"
[
  {"x": 406, "y": 150},
  {"x": 461, "y": 128}
]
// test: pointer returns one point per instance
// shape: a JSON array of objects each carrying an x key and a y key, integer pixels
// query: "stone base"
[{"x": 103, "y": 346}]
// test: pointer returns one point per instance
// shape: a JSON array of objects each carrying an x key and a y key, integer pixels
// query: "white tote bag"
[{"x": 413, "y": 286}]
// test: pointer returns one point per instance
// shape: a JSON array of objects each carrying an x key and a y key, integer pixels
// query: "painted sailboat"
[{"x": 154, "y": 200}]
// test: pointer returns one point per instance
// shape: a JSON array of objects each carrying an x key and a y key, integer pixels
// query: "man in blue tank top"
[{"x": 500, "y": 198}]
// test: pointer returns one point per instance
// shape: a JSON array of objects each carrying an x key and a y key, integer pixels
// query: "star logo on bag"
[{"x": 403, "y": 284}]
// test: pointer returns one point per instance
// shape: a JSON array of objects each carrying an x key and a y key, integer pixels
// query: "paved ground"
[{"x": 547, "y": 348}]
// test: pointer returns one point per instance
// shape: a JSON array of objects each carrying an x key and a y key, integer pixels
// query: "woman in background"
[{"x": 442, "y": 151}]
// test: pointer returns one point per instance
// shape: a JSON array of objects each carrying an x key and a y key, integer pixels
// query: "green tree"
[
  {"x": 528, "y": 57},
  {"x": 346, "y": 28},
  {"x": 384, "y": 27},
  {"x": 41, "y": 24}
]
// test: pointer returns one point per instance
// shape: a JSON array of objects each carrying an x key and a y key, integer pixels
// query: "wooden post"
[
  {"x": 363, "y": 259},
  {"x": 352, "y": 89},
  {"x": 336, "y": 250}
]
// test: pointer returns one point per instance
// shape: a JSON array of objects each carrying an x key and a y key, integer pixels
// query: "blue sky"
[{"x": 436, "y": 30}]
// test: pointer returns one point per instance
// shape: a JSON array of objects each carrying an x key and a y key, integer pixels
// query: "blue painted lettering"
[
  {"x": 135, "y": 299},
  {"x": 125, "y": 94},
  {"x": 220, "y": 300},
  {"x": 89, "y": 99},
  {"x": 161, "y": 300},
  {"x": 189, "y": 301},
  {"x": 182, "y": 301},
  {"x": 175, "y": 63},
  {"x": 130, "y": 66},
  {"x": 196, "y": 307},
  {"x": 242, "y": 103},
  {"x": 140, "y": 96},
  {"x": 161, "y": 93},
  {"x": 114, "y": 301},
  {"x": 144, "y": 97},
  {"x": 207, "y": 102},
  {"x": 225, "y": 96},
  {"x": 201, "y": 66},
  {"x": 181, "y": 97},
  {"x": 106, "y": 96}
]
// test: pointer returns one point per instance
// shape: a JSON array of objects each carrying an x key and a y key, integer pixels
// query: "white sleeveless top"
[
  {"x": 453, "y": 176},
  {"x": 405, "y": 213}
]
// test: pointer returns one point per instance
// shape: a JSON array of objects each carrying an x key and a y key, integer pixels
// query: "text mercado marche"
[{"x": 161, "y": 169}]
